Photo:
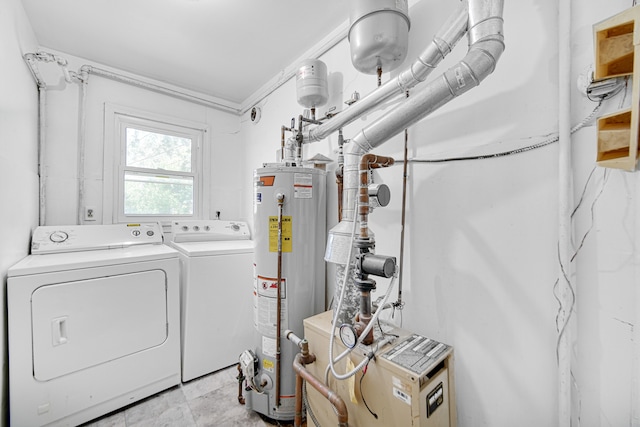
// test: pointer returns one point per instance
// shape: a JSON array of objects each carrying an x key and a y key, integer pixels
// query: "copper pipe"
[
  {"x": 404, "y": 211},
  {"x": 303, "y": 374},
  {"x": 282, "y": 129},
  {"x": 368, "y": 161},
  {"x": 279, "y": 299},
  {"x": 339, "y": 181},
  {"x": 340, "y": 172},
  {"x": 240, "y": 379}
]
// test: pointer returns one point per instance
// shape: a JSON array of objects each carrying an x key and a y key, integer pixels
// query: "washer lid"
[{"x": 196, "y": 249}]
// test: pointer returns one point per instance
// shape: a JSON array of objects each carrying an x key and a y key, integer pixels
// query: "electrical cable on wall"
[
  {"x": 544, "y": 143},
  {"x": 605, "y": 177}
]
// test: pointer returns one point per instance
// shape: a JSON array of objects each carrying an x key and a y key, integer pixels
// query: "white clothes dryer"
[
  {"x": 216, "y": 259},
  {"x": 93, "y": 322}
]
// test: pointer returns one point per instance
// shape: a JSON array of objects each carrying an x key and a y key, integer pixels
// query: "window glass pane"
[
  {"x": 146, "y": 194},
  {"x": 152, "y": 150}
]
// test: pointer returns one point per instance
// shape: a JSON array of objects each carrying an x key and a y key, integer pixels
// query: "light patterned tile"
[
  {"x": 224, "y": 378},
  {"x": 175, "y": 416},
  {"x": 159, "y": 407},
  {"x": 221, "y": 408}
]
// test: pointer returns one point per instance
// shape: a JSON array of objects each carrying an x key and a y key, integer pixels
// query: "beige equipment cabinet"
[{"x": 409, "y": 383}]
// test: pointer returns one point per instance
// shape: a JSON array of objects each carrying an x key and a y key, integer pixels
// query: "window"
[{"x": 158, "y": 168}]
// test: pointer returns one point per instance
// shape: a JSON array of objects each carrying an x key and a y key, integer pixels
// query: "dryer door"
[{"x": 85, "y": 323}]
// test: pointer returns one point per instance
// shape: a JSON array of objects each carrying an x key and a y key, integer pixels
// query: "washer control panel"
[
  {"x": 74, "y": 238},
  {"x": 209, "y": 230}
]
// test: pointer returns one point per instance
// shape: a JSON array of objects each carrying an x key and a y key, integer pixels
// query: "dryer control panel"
[{"x": 74, "y": 238}]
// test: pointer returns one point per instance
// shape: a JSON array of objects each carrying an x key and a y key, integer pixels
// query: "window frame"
[{"x": 117, "y": 120}]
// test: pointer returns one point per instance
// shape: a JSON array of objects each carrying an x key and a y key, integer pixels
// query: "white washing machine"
[
  {"x": 93, "y": 322},
  {"x": 216, "y": 259}
]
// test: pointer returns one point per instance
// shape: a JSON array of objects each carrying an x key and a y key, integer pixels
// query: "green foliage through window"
[{"x": 154, "y": 178}]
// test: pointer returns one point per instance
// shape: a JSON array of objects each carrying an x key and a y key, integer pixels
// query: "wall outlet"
[{"x": 90, "y": 213}]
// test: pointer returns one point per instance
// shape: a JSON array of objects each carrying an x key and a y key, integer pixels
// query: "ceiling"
[{"x": 227, "y": 49}]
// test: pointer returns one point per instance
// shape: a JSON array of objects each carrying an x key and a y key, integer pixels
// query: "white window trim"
[{"x": 116, "y": 117}]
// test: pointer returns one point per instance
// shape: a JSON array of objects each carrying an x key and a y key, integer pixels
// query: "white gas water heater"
[{"x": 289, "y": 210}]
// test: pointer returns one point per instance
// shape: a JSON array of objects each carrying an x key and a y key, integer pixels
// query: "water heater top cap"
[{"x": 378, "y": 34}]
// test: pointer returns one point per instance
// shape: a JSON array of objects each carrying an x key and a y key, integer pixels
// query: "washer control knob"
[
  {"x": 196, "y": 228},
  {"x": 58, "y": 236},
  {"x": 235, "y": 227},
  {"x": 185, "y": 228}
]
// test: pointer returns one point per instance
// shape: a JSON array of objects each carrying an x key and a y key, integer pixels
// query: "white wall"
[
  {"x": 63, "y": 117},
  {"x": 607, "y": 371},
  {"x": 18, "y": 156},
  {"x": 481, "y": 246}
]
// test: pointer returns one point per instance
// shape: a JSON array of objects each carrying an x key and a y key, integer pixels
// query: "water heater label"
[
  {"x": 267, "y": 306},
  {"x": 303, "y": 186},
  {"x": 286, "y": 234},
  {"x": 269, "y": 347}
]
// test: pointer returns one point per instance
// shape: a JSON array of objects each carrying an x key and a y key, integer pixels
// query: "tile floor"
[{"x": 210, "y": 401}]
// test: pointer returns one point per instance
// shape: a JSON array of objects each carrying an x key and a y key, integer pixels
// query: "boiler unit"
[
  {"x": 408, "y": 383},
  {"x": 289, "y": 286}
]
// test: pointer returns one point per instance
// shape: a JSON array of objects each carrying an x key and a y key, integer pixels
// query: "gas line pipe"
[{"x": 302, "y": 374}]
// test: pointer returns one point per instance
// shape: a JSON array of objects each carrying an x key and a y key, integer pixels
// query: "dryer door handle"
[{"x": 59, "y": 331}]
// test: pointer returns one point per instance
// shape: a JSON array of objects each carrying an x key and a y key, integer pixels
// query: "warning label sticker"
[
  {"x": 267, "y": 365},
  {"x": 303, "y": 186},
  {"x": 286, "y": 234},
  {"x": 267, "y": 306},
  {"x": 268, "y": 287}
]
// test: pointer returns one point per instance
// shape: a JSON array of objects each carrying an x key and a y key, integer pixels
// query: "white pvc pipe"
[
  {"x": 42, "y": 174},
  {"x": 32, "y": 61},
  {"x": 157, "y": 88},
  {"x": 566, "y": 296},
  {"x": 84, "y": 81}
]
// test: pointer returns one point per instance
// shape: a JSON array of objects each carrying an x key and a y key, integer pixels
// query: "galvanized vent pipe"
[{"x": 482, "y": 21}]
